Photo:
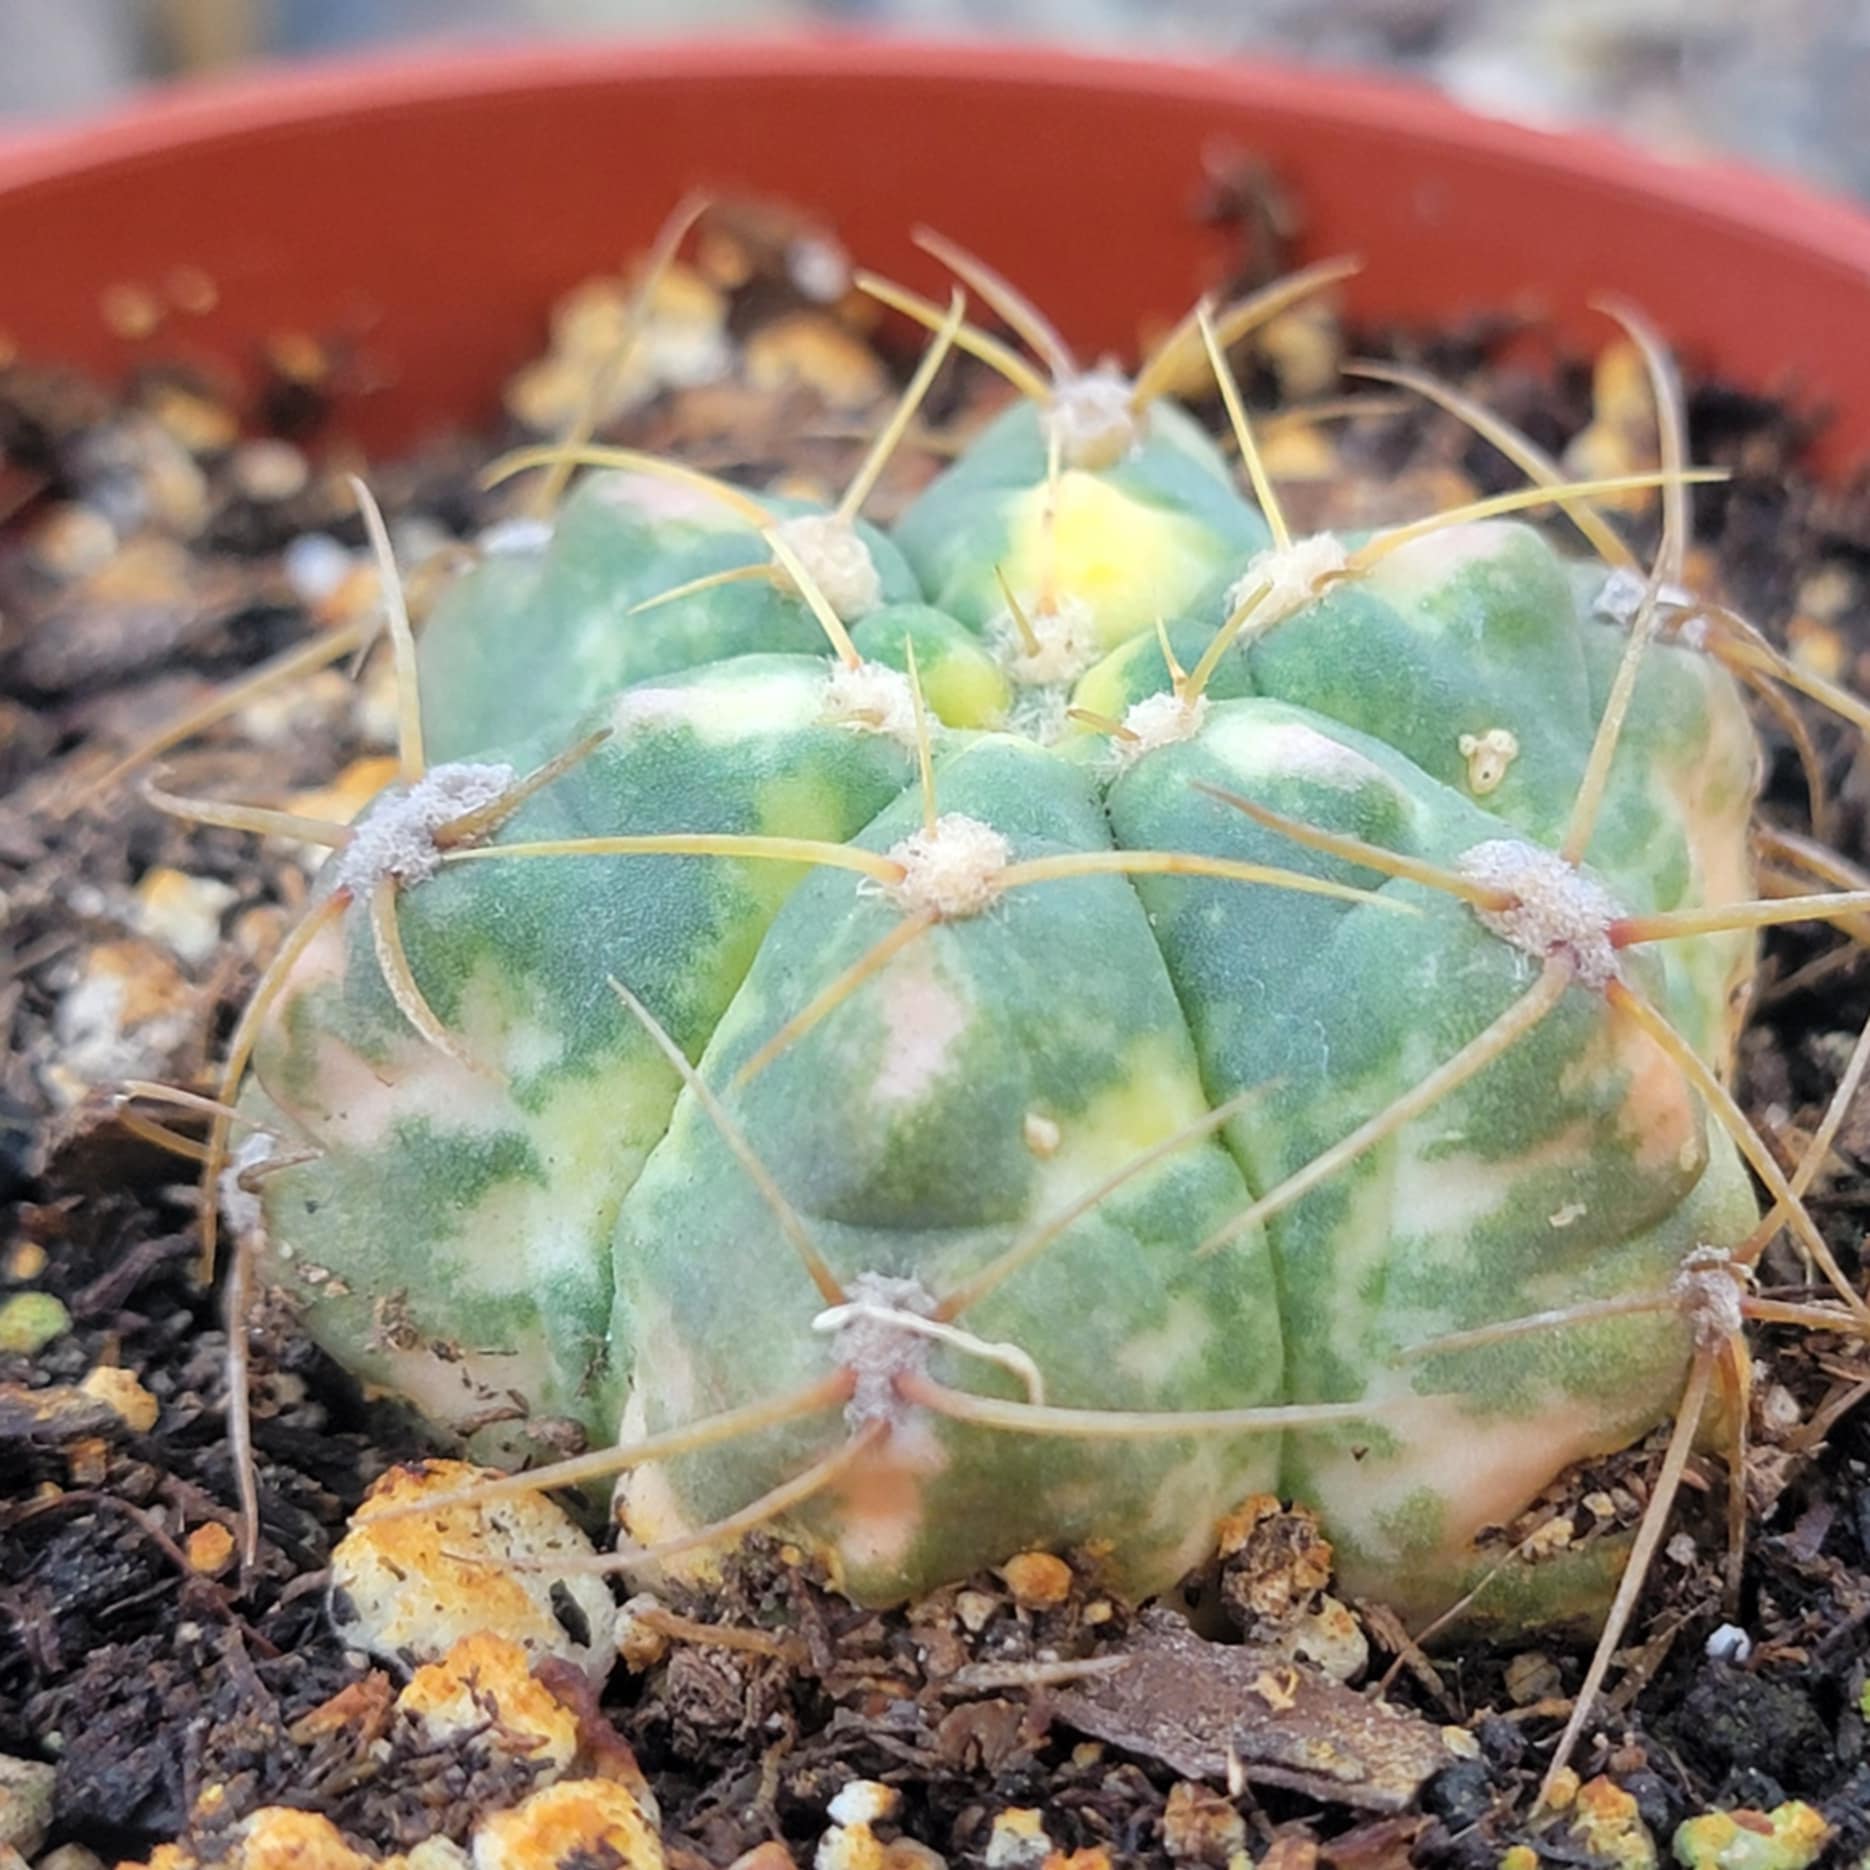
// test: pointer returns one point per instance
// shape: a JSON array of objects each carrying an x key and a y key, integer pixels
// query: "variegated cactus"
[{"x": 1026, "y": 1030}]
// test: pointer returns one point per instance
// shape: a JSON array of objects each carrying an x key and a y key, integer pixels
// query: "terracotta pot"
[{"x": 438, "y": 202}]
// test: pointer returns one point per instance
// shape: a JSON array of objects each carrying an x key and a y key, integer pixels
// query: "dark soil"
[{"x": 149, "y": 1673}]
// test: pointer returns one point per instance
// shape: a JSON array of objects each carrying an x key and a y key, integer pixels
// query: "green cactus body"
[
  {"x": 1135, "y": 539},
  {"x": 454, "y": 1234},
  {"x": 531, "y": 639},
  {"x": 583, "y": 1234},
  {"x": 1037, "y": 1045}
]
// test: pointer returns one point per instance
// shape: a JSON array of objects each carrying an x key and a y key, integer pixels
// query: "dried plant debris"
[
  {"x": 1228, "y": 1712},
  {"x": 164, "y": 538}
]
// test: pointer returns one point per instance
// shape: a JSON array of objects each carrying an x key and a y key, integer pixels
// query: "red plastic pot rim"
[
  {"x": 269, "y": 95},
  {"x": 1071, "y": 170}
]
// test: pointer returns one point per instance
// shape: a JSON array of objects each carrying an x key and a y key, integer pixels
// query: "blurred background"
[{"x": 1783, "y": 83}]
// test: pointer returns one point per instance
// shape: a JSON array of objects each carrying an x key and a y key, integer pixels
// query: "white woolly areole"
[
  {"x": 1159, "y": 721},
  {"x": 952, "y": 871},
  {"x": 875, "y": 1349},
  {"x": 1621, "y": 596},
  {"x": 398, "y": 838},
  {"x": 872, "y": 698},
  {"x": 837, "y": 561},
  {"x": 240, "y": 1207},
  {"x": 1708, "y": 1289},
  {"x": 1067, "y": 644},
  {"x": 1092, "y": 419},
  {"x": 1293, "y": 578},
  {"x": 1559, "y": 909}
]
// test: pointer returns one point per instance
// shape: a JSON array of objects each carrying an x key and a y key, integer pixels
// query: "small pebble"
[
  {"x": 268, "y": 471},
  {"x": 976, "y": 1610},
  {"x": 639, "y": 1642},
  {"x": 1779, "y": 1410},
  {"x": 819, "y": 268},
  {"x": 1607, "y": 1822},
  {"x": 1532, "y": 1676},
  {"x": 183, "y": 912},
  {"x": 130, "y": 311},
  {"x": 297, "y": 357},
  {"x": 316, "y": 566},
  {"x": 408, "y": 1590},
  {"x": 812, "y": 352},
  {"x": 1199, "y": 1826},
  {"x": 1461, "y": 1794},
  {"x": 1562, "y": 1790},
  {"x": 1333, "y": 1639},
  {"x": 1018, "y": 1840},
  {"x": 129, "y": 1008},
  {"x": 72, "y": 541},
  {"x": 772, "y": 1855},
  {"x": 864, "y": 1802},
  {"x": 70, "y": 1857},
  {"x": 25, "y": 1803},
  {"x": 1729, "y": 1643},
  {"x": 123, "y": 1391},
  {"x": 25, "y": 1260},
  {"x": 1038, "y": 1580},
  {"x": 210, "y": 1549},
  {"x": 29, "y": 1321},
  {"x": 577, "y": 1821},
  {"x": 199, "y": 423},
  {"x": 1790, "y": 1838},
  {"x": 484, "y": 1691}
]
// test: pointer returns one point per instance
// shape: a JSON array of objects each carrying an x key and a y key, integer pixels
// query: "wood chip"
[{"x": 1196, "y": 1705}]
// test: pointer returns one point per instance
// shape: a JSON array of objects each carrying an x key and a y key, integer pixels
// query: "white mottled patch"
[
  {"x": 1445, "y": 1196},
  {"x": 1157, "y": 1356},
  {"x": 1484, "y": 1469},
  {"x": 1254, "y": 746},
  {"x": 650, "y": 497},
  {"x": 922, "y": 1019},
  {"x": 643, "y": 1501},
  {"x": 1429, "y": 564},
  {"x": 723, "y": 710},
  {"x": 520, "y": 535},
  {"x": 530, "y": 1046},
  {"x": 361, "y": 1103}
]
